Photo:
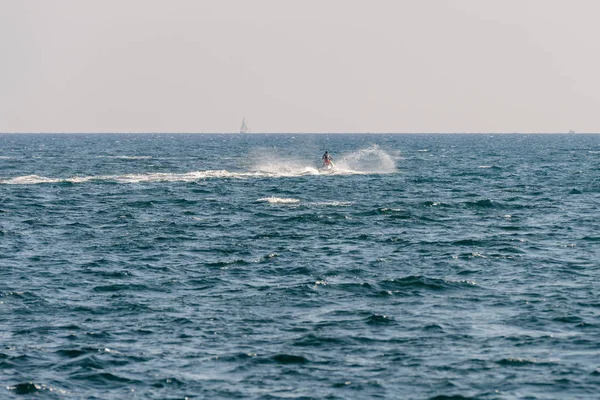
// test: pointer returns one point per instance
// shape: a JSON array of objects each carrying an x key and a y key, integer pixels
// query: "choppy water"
[{"x": 228, "y": 266}]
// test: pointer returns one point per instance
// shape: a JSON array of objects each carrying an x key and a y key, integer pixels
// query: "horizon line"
[{"x": 297, "y": 133}]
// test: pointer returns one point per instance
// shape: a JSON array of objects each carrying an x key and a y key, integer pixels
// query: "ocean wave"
[
  {"x": 127, "y": 157},
  {"x": 485, "y": 203},
  {"x": 278, "y": 200},
  {"x": 315, "y": 340},
  {"x": 289, "y": 359},
  {"x": 379, "y": 319},
  {"x": 518, "y": 362},
  {"x": 423, "y": 282},
  {"x": 31, "y": 387},
  {"x": 332, "y": 203},
  {"x": 435, "y": 204}
]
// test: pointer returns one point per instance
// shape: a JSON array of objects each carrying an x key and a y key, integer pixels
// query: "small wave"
[
  {"x": 74, "y": 353},
  {"x": 226, "y": 264},
  {"x": 279, "y": 200},
  {"x": 25, "y": 388},
  {"x": 358, "y": 287},
  {"x": 393, "y": 213},
  {"x": 385, "y": 210},
  {"x": 289, "y": 359},
  {"x": 167, "y": 382},
  {"x": 119, "y": 287},
  {"x": 103, "y": 379},
  {"x": 591, "y": 238},
  {"x": 378, "y": 319},
  {"x": 423, "y": 282},
  {"x": 468, "y": 256},
  {"x": 433, "y": 328},
  {"x": 435, "y": 204},
  {"x": 313, "y": 340},
  {"x": 569, "y": 319},
  {"x": 518, "y": 362},
  {"x": 488, "y": 167},
  {"x": 333, "y": 203},
  {"x": 127, "y": 157},
  {"x": 480, "y": 204},
  {"x": 469, "y": 242},
  {"x": 30, "y": 387}
]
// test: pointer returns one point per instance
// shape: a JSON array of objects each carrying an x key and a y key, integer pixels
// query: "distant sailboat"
[{"x": 244, "y": 128}]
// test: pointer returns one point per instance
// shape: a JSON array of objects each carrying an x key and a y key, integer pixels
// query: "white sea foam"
[
  {"x": 29, "y": 180},
  {"x": 279, "y": 200},
  {"x": 166, "y": 177},
  {"x": 284, "y": 168},
  {"x": 130, "y": 178}
]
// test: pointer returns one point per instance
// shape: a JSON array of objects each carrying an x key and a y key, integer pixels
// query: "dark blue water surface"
[{"x": 229, "y": 266}]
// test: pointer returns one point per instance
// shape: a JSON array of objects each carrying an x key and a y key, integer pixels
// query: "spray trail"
[{"x": 371, "y": 160}]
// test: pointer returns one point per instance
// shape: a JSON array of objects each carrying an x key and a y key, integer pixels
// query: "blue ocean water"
[{"x": 228, "y": 266}]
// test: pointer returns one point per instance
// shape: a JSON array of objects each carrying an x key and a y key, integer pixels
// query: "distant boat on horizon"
[
  {"x": 244, "y": 128},
  {"x": 571, "y": 131}
]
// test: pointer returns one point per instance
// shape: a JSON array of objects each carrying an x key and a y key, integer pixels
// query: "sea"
[{"x": 230, "y": 266}]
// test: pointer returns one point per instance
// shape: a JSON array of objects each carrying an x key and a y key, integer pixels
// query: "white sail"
[{"x": 244, "y": 128}]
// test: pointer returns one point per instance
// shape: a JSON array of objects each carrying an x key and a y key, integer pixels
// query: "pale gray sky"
[{"x": 299, "y": 65}]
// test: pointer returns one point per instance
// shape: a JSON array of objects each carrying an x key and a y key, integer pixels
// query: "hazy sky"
[{"x": 299, "y": 65}]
